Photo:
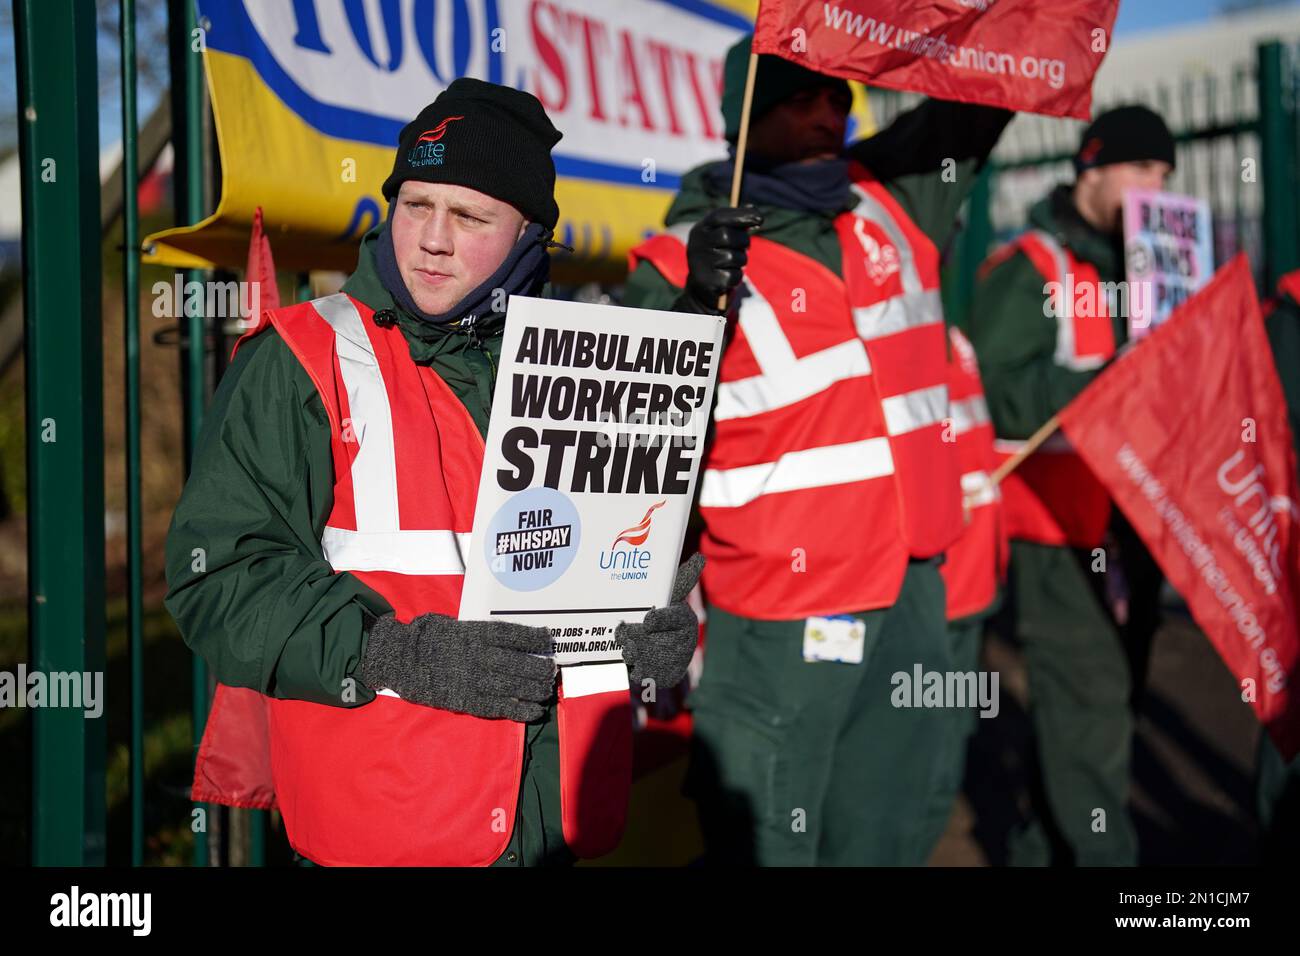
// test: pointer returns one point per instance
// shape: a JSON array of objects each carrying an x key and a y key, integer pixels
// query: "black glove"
[
  {"x": 716, "y": 252},
  {"x": 660, "y": 647},
  {"x": 483, "y": 668}
]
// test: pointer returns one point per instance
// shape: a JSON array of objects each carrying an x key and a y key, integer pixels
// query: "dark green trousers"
[
  {"x": 797, "y": 763},
  {"x": 965, "y": 641},
  {"x": 1277, "y": 798},
  {"x": 538, "y": 835},
  {"x": 1083, "y": 670}
]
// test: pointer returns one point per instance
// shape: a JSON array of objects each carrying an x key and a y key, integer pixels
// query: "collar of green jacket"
[
  {"x": 464, "y": 356},
  {"x": 1057, "y": 214},
  {"x": 426, "y": 340}
]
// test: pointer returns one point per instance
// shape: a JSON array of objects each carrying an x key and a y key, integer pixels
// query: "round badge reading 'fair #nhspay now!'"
[{"x": 532, "y": 539}]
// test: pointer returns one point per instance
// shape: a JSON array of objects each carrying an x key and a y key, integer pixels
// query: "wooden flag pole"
[
  {"x": 1031, "y": 445},
  {"x": 741, "y": 140}
]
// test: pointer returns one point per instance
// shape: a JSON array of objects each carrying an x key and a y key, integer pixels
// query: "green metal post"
[
  {"x": 972, "y": 247},
  {"x": 131, "y": 351},
  {"x": 1187, "y": 165},
  {"x": 187, "y": 142},
  {"x": 1277, "y": 163},
  {"x": 58, "y": 101},
  {"x": 1292, "y": 80},
  {"x": 1238, "y": 109},
  {"x": 257, "y": 837}
]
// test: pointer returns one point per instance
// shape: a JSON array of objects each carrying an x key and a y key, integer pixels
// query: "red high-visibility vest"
[
  {"x": 391, "y": 782},
  {"x": 976, "y": 562},
  {"x": 1053, "y": 497},
  {"x": 827, "y": 469}
]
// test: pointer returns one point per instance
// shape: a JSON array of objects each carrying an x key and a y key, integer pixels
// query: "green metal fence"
[
  {"x": 1238, "y": 143},
  {"x": 58, "y": 102},
  {"x": 58, "y": 96}
]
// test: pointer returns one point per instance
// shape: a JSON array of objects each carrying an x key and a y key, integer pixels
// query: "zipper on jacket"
[{"x": 471, "y": 330}]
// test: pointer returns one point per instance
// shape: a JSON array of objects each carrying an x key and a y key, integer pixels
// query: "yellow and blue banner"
[{"x": 309, "y": 96}]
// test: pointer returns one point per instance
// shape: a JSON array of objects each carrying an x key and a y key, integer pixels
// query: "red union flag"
[
  {"x": 1189, "y": 434},
  {"x": 259, "y": 277},
  {"x": 1033, "y": 55}
]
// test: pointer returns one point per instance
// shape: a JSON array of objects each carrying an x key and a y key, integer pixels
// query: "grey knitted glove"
[
  {"x": 483, "y": 668},
  {"x": 660, "y": 647}
]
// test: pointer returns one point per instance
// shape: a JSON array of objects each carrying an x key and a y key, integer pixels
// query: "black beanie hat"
[
  {"x": 776, "y": 79},
  {"x": 1125, "y": 135},
  {"x": 491, "y": 138}
]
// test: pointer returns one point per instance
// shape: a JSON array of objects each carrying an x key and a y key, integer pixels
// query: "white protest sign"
[
  {"x": 593, "y": 453},
  {"x": 1168, "y": 254}
]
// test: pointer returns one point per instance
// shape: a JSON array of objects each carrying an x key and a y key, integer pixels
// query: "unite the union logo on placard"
[{"x": 633, "y": 562}]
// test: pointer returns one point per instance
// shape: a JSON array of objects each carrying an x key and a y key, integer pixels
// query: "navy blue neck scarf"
[{"x": 820, "y": 186}]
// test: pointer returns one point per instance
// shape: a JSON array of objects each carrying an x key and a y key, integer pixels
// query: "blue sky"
[{"x": 1143, "y": 16}]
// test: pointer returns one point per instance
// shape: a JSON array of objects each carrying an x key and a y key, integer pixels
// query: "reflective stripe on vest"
[
  {"x": 968, "y": 413},
  {"x": 378, "y": 542},
  {"x": 824, "y": 384}
]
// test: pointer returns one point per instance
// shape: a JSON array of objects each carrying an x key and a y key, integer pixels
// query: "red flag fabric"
[
  {"x": 263, "y": 292},
  {"x": 1189, "y": 433},
  {"x": 1038, "y": 56},
  {"x": 233, "y": 766}
]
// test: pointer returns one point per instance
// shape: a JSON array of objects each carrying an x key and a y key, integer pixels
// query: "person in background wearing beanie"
[
  {"x": 331, "y": 500},
  {"x": 828, "y": 493},
  {"x": 1085, "y": 618}
]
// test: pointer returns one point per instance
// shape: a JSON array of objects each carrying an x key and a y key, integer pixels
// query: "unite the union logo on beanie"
[
  {"x": 487, "y": 137},
  {"x": 427, "y": 151}
]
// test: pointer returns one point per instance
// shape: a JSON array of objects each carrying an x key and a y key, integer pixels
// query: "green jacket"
[
  {"x": 908, "y": 157},
  {"x": 248, "y": 584},
  {"x": 1016, "y": 341}
]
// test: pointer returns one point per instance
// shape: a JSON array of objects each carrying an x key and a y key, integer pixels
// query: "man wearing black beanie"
[
  {"x": 1043, "y": 328},
  {"x": 317, "y": 553}
]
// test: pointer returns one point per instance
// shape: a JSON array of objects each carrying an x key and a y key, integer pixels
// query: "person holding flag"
[
  {"x": 316, "y": 555},
  {"x": 829, "y": 491},
  {"x": 1042, "y": 330}
]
